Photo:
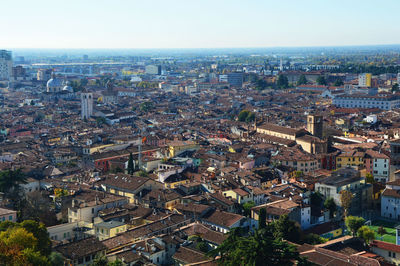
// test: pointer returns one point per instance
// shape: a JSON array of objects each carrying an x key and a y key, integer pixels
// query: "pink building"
[{"x": 8, "y": 215}]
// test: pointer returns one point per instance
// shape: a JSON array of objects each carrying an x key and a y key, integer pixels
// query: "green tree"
[
  {"x": 316, "y": 199},
  {"x": 247, "y": 208},
  {"x": 10, "y": 184},
  {"x": 20, "y": 247},
  {"x": 246, "y": 116},
  {"x": 115, "y": 263},
  {"x": 395, "y": 87},
  {"x": 259, "y": 248},
  {"x": 369, "y": 178},
  {"x": 142, "y": 173},
  {"x": 251, "y": 117},
  {"x": 100, "y": 260},
  {"x": 287, "y": 229},
  {"x": 56, "y": 259},
  {"x": 261, "y": 84},
  {"x": 314, "y": 239},
  {"x": 338, "y": 83},
  {"x": 331, "y": 206},
  {"x": 302, "y": 80},
  {"x": 243, "y": 115},
  {"x": 365, "y": 233},
  {"x": 262, "y": 219},
  {"x": 130, "y": 164},
  {"x": 39, "y": 231},
  {"x": 35, "y": 258},
  {"x": 353, "y": 223},
  {"x": 381, "y": 231},
  {"x": 321, "y": 80},
  {"x": 146, "y": 106},
  {"x": 11, "y": 180},
  {"x": 202, "y": 246},
  {"x": 282, "y": 82},
  {"x": 346, "y": 198}
]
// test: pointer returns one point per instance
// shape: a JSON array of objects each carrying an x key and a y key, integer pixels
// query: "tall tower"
[
  {"x": 315, "y": 125},
  {"x": 5, "y": 65},
  {"x": 86, "y": 104}
]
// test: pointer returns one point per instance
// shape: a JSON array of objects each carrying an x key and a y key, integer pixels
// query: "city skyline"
[{"x": 206, "y": 24}]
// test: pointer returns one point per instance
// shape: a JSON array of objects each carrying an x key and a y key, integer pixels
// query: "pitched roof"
[
  {"x": 81, "y": 248},
  {"x": 386, "y": 246},
  {"x": 221, "y": 218}
]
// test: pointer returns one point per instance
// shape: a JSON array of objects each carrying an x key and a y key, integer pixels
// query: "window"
[
  {"x": 10, "y": 218},
  {"x": 92, "y": 210}
]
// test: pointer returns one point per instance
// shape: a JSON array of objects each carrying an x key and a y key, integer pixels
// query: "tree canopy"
[
  {"x": 331, "y": 206},
  {"x": 338, "y": 83},
  {"x": 353, "y": 223},
  {"x": 302, "y": 80},
  {"x": 366, "y": 233},
  {"x": 246, "y": 116},
  {"x": 247, "y": 208},
  {"x": 282, "y": 82},
  {"x": 321, "y": 80},
  {"x": 146, "y": 106},
  {"x": 25, "y": 243},
  {"x": 346, "y": 198},
  {"x": 259, "y": 248}
]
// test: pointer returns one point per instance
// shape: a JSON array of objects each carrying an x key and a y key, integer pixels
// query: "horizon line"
[{"x": 205, "y": 48}]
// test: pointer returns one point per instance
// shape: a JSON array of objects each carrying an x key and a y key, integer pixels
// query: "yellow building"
[
  {"x": 368, "y": 77},
  {"x": 176, "y": 183},
  {"x": 239, "y": 195},
  {"x": 351, "y": 158},
  {"x": 176, "y": 147},
  {"x": 105, "y": 230},
  {"x": 91, "y": 150}
]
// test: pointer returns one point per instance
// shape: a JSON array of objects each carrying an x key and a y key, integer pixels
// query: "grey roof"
[{"x": 109, "y": 224}]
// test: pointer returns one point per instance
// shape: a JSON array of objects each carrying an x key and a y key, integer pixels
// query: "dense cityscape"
[{"x": 199, "y": 133}]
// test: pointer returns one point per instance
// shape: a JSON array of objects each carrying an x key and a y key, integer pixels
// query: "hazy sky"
[{"x": 197, "y": 24}]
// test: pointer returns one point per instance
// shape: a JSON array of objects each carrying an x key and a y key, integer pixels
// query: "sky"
[{"x": 197, "y": 23}]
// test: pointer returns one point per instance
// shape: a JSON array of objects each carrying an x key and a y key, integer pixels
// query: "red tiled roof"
[{"x": 386, "y": 246}]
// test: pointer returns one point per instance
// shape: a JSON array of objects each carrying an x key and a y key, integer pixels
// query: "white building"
[
  {"x": 372, "y": 119},
  {"x": 378, "y": 164},
  {"x": 86, "y": 104},
  {"x": 385, "y": 102},
  {"x": 86, "y": 210},
  {"x": 390, "y": 200},
  {"x": 153, "y": 69},
  {"x": 5, "y": 65},
  {"x": 54, "y": 84}
]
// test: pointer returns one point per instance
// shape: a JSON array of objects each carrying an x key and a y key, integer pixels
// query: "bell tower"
[{"x": 315, "y": 125}]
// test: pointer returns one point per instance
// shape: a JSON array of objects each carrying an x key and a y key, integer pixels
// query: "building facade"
[
  {"x": 5, "y": 64},
  {"x": 86, "y": 105},
  {"x": 384, "y": 102}
]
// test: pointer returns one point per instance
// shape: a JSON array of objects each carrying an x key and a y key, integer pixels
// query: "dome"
[
  {"x": 54, "y": 83},
  {"x": 68, "y": 88}
]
